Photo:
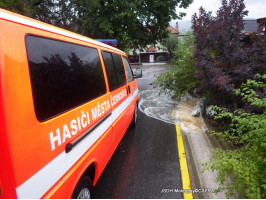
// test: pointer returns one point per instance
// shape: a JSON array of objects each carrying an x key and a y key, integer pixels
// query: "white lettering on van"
[
  {"x": 54, "y": 139},
  {"x": 116, "y": 98},
  {"x": 68, "y": 130},
  {"x": 78, "y": 124},
  {"x": 100, "y": 109},
  {"x": 66, "y": 133},
  {"x": 74, "y": 127},
  {"x": 88, "y": 117},
  {"x": 94, "y": 113},
  {"x": 108, "y": 105},
  {"x": 83, "y": 118}
]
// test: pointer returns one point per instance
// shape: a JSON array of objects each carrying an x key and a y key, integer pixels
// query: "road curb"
[
  {"x": 183, "y": 165},
  {"x": 199, "y": 148}
]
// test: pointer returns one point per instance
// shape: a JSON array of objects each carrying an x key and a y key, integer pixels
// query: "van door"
[
  {"x": 131, "y": 87},
  {"x": 120, "y": 94}
]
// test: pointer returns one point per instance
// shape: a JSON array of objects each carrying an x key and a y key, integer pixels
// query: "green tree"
[
  {"x": 171, "y": 44},
  {"x": 15, "y": 6},
  {"x": 43, "y": 10},
  {"x": 134, "y": 24}
]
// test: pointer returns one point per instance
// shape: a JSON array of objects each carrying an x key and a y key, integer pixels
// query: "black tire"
[
  {"x": 83, "y": 189},
  {"x": 135, "y": 116}
]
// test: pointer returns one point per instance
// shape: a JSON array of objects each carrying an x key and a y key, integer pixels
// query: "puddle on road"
[{"x": 162, "y": 107}]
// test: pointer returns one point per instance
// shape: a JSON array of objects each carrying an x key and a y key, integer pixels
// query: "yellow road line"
[{"x": 183, "y": 164}]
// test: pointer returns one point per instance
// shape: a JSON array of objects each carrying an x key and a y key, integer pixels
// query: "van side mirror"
[{"x": 138, "y": 73}]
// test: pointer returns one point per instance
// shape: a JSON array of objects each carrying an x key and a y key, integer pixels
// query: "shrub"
[
  {"x": 181, "y": 78},
  {"x": 222, "y": 63},
  {"x": 247, "y": 131}
]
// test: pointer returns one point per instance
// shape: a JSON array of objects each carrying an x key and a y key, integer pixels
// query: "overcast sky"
[{"x": 256, "y": 8}]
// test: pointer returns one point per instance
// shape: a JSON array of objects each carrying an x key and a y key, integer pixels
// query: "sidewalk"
[{"x": 198, "y": 147}]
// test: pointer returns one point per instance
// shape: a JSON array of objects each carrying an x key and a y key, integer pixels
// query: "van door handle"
[
  {"x": 128, "y": 89},
  {"x": 71, "y": 145}
]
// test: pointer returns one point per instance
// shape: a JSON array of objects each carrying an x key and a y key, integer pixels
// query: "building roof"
[
  {"x": 173, "y": 30},
  {"x": 151, "y": 49},
  {"x": 250, "y": 25}
]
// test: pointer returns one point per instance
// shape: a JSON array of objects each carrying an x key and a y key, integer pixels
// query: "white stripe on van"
[
  {"x": 37, "y": 185},
  {"x": 34, "y": 24}
]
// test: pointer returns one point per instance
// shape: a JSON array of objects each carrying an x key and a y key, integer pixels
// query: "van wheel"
[
  {"x": 82, "y": 189},
  {"x": 134, "y": 120}
]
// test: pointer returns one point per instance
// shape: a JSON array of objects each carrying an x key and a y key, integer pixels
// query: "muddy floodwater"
[{"x": 185, "y": 112}]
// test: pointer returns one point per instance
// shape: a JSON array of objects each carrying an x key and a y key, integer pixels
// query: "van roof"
[{"x": 13, "y": 17}]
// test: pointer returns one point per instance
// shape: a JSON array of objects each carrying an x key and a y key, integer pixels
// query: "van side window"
[
  {"x": 128, "y": 70},
  {"x": 110, "y": 70},
  {"x": 120, "y": 70},
  {"x": 114, "y": 69},
  {"x": 63, "y": 75}
]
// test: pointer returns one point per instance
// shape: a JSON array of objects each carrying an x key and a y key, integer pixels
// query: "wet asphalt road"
[{"x": 146, "y": 160}]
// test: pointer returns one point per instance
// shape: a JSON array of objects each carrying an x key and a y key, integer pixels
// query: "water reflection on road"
[{"x": 157, "y": 105}]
